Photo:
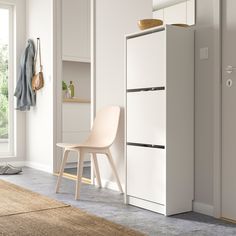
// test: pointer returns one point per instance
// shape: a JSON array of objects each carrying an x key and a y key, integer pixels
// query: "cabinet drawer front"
[
  {"x": 146, "y": 117},
  {"x": 76, "y": 30},
  {"x": 146, "y": 61},
  {"x": 75, "y": 117},
  {"x": 146, "y": 173}
]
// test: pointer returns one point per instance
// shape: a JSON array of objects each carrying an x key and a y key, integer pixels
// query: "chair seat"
[
  {"x": 67, "y": 145},
  {"x": 87, "y": 144}
]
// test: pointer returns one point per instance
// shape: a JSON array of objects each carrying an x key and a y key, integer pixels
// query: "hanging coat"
[{"x": 24, "y": 93}]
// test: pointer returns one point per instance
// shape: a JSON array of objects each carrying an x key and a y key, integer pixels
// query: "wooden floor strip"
[
  {"x": 74, "y": 177},
  {"x": 228, "y": 220}
]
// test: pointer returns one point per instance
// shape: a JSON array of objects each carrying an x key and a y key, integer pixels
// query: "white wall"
[
  {"x": 39, "y": 129},
  {"x": 204, "y": 105},
  {"x": 20, "y": 45},
  {"x": 114, "y": 19},
  {"x": 20, "y": 22}
]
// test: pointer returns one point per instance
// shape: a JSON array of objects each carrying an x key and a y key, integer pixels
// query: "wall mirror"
[{"x": 174, "y": 11}]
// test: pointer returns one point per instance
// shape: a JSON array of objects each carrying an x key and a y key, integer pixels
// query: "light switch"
[{"x": 203, "y": 53}]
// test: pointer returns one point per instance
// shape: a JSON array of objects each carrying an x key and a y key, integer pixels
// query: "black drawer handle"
[
  {"x": 145, "y": 89},
  {"x": 146, "y": 145}
]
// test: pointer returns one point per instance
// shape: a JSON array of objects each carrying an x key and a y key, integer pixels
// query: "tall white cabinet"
[
  {"x": 76, "y": 30},
  {"x": 75, "y": 124},
  {"x": 75, "y": 45},
  {"x": 181, "y": 12},
  {"x": 160, "y": 119}
]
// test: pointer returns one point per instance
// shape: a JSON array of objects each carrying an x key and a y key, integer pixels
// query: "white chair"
[{"x": 99, "y": 141}]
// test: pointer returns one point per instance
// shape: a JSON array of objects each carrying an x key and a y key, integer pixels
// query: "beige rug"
[
  {"x": 58, "y": 220},
  {"x": 15, "y": 200}
]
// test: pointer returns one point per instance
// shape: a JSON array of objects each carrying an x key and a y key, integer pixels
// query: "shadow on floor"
[
  {"x": 73, "y": 171},
  {"x": 192, "y": 216}
]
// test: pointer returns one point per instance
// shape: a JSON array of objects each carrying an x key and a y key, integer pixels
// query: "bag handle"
[{"x": 38, "y": 52}]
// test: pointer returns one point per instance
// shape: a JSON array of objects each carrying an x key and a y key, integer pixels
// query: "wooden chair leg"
[
  {"x": 63, "y": 163},
  {"x": 108, "y": 153},
  {"x": 79, "y": 173},
  {"x": 96, "y": 168}
]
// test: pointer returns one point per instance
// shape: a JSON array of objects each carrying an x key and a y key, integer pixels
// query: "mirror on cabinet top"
[{"x": 175, "y": 11}]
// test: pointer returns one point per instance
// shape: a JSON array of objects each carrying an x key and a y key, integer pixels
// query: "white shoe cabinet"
[{"x": 159, "y": 118}]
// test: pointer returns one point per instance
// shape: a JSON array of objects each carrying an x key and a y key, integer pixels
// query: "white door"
[{"x": 229, "y": 110}]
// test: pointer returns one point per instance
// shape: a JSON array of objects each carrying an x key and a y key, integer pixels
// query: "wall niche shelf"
[
  {"x": 75, "y": 59},
  {"x": 76, "y": 100}
]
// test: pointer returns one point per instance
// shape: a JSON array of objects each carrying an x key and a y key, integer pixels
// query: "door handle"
[{"x": 230, "y": 69}]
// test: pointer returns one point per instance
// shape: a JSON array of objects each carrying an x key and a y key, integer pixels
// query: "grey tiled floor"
[{"x": 109, "y": 204}]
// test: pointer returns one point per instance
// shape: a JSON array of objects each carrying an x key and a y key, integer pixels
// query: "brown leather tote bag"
[{"x": 38, "y": 80}]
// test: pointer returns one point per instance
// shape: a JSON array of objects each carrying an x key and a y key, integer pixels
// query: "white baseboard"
[
  {"x": 203, "y": 208},
  {"x": 38, "y": 166},
  {"x": 111, "y": 185}
]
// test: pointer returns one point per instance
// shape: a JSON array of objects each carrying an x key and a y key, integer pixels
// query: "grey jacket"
[{"x": 24, "y": 93}]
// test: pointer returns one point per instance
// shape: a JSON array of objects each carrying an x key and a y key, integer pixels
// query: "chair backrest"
[{"x": 105, "y": 126}]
